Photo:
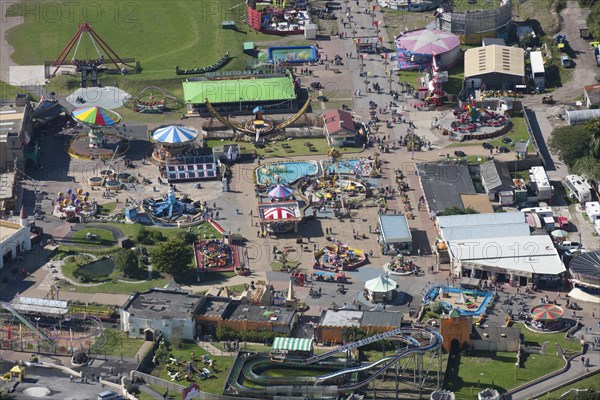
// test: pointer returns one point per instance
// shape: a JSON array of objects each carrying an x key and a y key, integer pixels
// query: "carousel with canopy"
[{"x": 172, "y": 141}]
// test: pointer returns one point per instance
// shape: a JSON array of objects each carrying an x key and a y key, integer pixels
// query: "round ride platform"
[{"x": 79, "y": 147}]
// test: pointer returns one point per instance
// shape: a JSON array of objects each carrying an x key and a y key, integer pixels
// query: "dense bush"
[{"x": 225, "y": 333}]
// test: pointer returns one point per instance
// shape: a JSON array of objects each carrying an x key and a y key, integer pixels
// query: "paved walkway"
[{"x": 575, "y": 369}]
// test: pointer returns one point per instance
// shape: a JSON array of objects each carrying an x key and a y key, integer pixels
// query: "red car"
[{"x": 563, "y": 223}]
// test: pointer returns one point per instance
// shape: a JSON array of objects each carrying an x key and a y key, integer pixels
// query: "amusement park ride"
[
  {"x": 89, "y": 68},
  {"x": 259, "y": 125},
  {"x": 437, "y": 95}
]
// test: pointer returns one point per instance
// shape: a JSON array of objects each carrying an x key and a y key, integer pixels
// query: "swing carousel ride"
[{"x": 99, "y": 142}]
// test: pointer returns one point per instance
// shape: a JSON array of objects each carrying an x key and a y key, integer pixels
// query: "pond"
[{"x": 104, "y": 266}]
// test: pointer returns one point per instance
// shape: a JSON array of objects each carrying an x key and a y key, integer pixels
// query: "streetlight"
[{"x": 241, "y": 104}]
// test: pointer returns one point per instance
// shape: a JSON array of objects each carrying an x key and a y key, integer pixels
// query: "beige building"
[
  {"x": 15, "y": 239},
  {"x": 15, "y": 132},
  {"x": 496, "y": 67}
]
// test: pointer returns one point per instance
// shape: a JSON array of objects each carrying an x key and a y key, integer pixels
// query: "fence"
[
  {"x": 161, "y": 383},
  {"x": 146, "y": 361},
  {"x": 532, "y": 136}
]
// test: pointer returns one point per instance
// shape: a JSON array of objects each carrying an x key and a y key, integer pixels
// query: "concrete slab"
[
  {"x": 27, "y": 75},
  {"x": 108, "y": 97}
]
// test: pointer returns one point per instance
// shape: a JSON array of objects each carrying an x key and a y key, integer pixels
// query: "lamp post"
[{"x": 241, "y": 104}]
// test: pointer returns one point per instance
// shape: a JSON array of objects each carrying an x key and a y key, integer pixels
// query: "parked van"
[{"x": 108, "y": 395}]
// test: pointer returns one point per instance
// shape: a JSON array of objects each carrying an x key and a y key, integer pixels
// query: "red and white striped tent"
[{"x": 280, "y": 211}]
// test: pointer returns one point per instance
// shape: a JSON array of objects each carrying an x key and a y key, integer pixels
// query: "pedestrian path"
[{"x": 575, "y": 369}]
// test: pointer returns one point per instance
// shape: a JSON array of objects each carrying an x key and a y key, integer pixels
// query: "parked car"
[
  {"x": 504, "y": 150},
  {"x": 108, "y": 395},
  {"x": 563, "y": 223},
  {"x": 506, "y": 140},
  {"x": 527, "y": 204},
  {"x": 487, "y": 146},
  {"x": 575, "y": 252},
  {"x": 568, "y": 245},
  {"x": 566, "y": 61},
  {"x": 459, "y": 153}
]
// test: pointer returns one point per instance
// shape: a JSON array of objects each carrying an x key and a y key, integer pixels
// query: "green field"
[
  {"x": 116, "y": 343},
  {"x": 187, "y": 34},
  {"x": 491, "y": 369},
  {"x": 295, "y": 147},
  {"x": 218, "y": 373},
  {"x": 518, "y": 133},
  {"x": 105, "y": 238},
  {"x": 8, "y": 92}
]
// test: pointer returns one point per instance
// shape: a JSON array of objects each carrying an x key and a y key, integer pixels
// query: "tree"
[
  {"x": 570, "y": 143},
  {"x": 172, "y": 256},
  {"x": 458, "y": 211},
  {"x": 6, "y": 396},
  {"x": 528, "y": 40},
  {"x": 588, "y": 167},
  {"x": 127, "y": 262}
]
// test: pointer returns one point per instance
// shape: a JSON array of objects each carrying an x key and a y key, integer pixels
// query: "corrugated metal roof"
[
  {"x": 481, "y": 219},
  {"x": 485, "y": 231},
  {"x": 495, "y": 175},
  {"x": 381, "y": 319},
  {"x": 495, "y": 58}
]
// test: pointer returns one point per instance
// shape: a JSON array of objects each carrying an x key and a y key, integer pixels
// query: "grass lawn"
[
  {"x": 187, "y": 34},
  {"x": 592, "y": 382},
  {"x": 105, "y": 237},
  {"x": 190, "y": 33},
  {"x": 537, "y": 339},
  {"x": 106, "y": 209},
  {"x": 8, "y": 92},
  {"x": 548, "y": 19},
  {"x": 219, "y": 372},
  {"x": 276, "y": 265},
  {"x": 116, "y": 287},
  {"x": 114, "y": 342},
  {"x": 517, "y": 133},
  {"x": 497, "y": 369},
  {"x": 297, "y": 147}
]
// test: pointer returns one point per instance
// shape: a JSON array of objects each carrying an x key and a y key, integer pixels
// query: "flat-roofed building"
[
  {"x": 15, "y": 239},
  {"x": 332, "y": 323},
  {"x": 516, "y": 260}
]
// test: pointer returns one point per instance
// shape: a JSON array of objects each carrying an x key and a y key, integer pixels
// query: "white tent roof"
[
  {"x": 461, "y": 299},
  {"x": 381, "y": 284},
  {"x": 580, "y": 295}
]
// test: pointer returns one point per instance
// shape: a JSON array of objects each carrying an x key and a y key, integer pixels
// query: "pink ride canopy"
[{"x": 427, "y": 41}]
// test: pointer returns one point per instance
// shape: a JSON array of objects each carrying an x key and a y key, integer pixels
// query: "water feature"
[
  {"x": 101, "y": 267},
  {"x": 285, "y": 173},
  {"x": 350, "y": 167},
  {"x": 433, "y": 294}
]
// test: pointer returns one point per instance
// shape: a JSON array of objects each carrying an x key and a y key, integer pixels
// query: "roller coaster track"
[
  {"x": 434, "y": 342},
  {"x": 23, "y": 319},
  {"x": 402, "y": 332},
  {"x": 240, "y": 128}
]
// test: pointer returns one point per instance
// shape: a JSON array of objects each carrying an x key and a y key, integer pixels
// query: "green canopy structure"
[
  {"x": 239, "y": 90},
  {"x": 292, "y": 344}
]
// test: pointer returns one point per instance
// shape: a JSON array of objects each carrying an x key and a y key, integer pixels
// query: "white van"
[{"x": 108, "y": 395}]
